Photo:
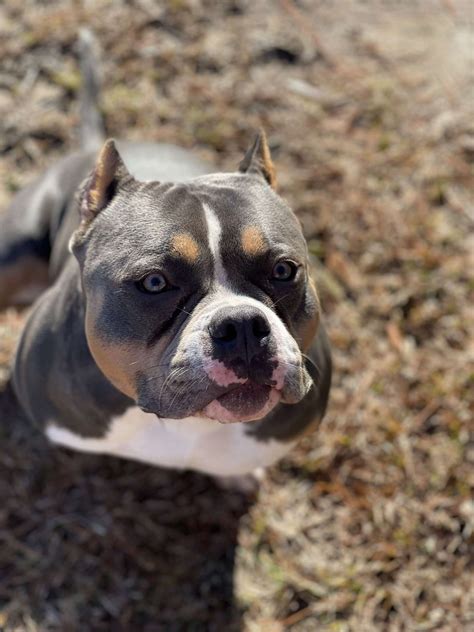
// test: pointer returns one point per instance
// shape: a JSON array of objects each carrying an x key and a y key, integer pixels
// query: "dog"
[{"x": 178, "y": 323}]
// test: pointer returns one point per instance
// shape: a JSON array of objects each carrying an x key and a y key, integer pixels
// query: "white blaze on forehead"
[
  {"x": 288, "y": 355},
  {"x": 215, "y": 235}
]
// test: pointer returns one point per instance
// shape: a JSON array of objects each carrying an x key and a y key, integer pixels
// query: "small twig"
[{"x": 298, "y": 616}]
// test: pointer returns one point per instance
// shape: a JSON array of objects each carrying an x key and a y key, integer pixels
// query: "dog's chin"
[{"x": 249, "y": 402}]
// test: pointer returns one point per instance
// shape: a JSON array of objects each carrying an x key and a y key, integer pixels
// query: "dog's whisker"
[
  {"x": 159, "y": 366},
  {"x": 186, "y": 387},
  {"x": 275, "y": 303},
  {"x": 184, "y": 311},
  {"x": 179, "y": 372},
  {"x": 313, "y": 364}
]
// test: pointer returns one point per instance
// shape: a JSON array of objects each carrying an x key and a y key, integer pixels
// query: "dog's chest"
[{"x": 192, "y": 443}]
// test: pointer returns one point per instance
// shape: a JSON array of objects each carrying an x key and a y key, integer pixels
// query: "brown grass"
[{"x": 368, "y": 524}]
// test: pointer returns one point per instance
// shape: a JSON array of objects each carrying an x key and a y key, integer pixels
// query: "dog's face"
[{"x": 198, "y": 299}]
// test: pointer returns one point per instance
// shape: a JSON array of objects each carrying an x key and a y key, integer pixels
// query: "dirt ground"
[{"x": 369, "y": 524}]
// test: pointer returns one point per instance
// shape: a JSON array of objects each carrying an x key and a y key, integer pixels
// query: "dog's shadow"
[{"x": 97, "y": 543}]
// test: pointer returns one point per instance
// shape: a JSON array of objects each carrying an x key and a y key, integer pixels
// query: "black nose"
[{"x": 239, "y": 330}]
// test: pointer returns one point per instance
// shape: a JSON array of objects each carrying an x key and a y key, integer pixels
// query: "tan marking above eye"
[
  {"x": 185, "y": 246},
  {"x": 253, "y": 241}
]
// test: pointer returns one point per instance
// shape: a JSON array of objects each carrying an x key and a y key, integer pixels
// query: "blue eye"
[
  {"x": 284, "y": 271},
  {"x": 153, "y": 283}
]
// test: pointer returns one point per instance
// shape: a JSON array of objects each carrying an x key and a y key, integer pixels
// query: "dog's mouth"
[
  {"x": 241, "y": 399},
  {"x": 245, "y": 402},
  {"x": 248, "y": 401}
]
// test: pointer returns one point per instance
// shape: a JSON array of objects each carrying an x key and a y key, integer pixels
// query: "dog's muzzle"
[
  {"x": 233, "y": 363},
  {"x": 243, "y": 360}
]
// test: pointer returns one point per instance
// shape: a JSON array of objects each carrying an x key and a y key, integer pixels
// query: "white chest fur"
[{"x": 191, "y": 443}]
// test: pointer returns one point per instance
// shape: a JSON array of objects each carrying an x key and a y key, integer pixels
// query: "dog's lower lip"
[
  {"x": 248, "y": 402},
  {"x": 249, "y": 390},
  {"x": 243, "y": 398}
]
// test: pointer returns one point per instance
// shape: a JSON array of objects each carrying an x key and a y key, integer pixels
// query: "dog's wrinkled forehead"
[
  {"x": 146, "y": 222},
  {"x": 236, "y": 213},
  {"x": 251, "y": 216}
]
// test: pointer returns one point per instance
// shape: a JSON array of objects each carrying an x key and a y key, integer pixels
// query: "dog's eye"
[
  {"x": 153, "y": 283},
  {"x": 284, "y": 271}
]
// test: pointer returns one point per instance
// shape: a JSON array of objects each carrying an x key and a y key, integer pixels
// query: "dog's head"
[{"x": 198, "y": 296}]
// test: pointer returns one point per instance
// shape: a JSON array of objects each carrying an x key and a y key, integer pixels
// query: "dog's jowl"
[{"x": 181, "y": 326}]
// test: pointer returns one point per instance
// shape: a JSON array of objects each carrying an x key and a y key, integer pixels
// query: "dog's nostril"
[
  {"x": 229, "y": 333},
  {"x": 260, "y": 327},
  {"x": 243, "y": 328},
  {"x": 224, "y": 332}
]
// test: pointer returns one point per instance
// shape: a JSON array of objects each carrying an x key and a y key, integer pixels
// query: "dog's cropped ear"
[
  {"x": 258, "y": 160},
  {"x": 101, "y": 185}
]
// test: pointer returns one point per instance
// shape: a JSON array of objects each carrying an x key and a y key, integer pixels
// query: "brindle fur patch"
[{"x": 186, "y": 247}]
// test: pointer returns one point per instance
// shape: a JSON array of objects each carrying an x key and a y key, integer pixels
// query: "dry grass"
[{"x": 369, "y": 524}]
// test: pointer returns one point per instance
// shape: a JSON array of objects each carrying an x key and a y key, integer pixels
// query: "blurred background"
[{"x": 368, "y": 524}]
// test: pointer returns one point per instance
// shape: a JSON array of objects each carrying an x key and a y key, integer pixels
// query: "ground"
[{"x": 368, "y": 524}]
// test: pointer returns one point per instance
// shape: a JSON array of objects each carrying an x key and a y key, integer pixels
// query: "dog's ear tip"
[
  {"x": 99, "y": 188},
  {"x": 110, "y": 144},
  {"x": 261, "y": 134},
  {"x": 109, "y": 151},
  {"x": 258, "y": 159},
  {"x": 110, "y": 161}
]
